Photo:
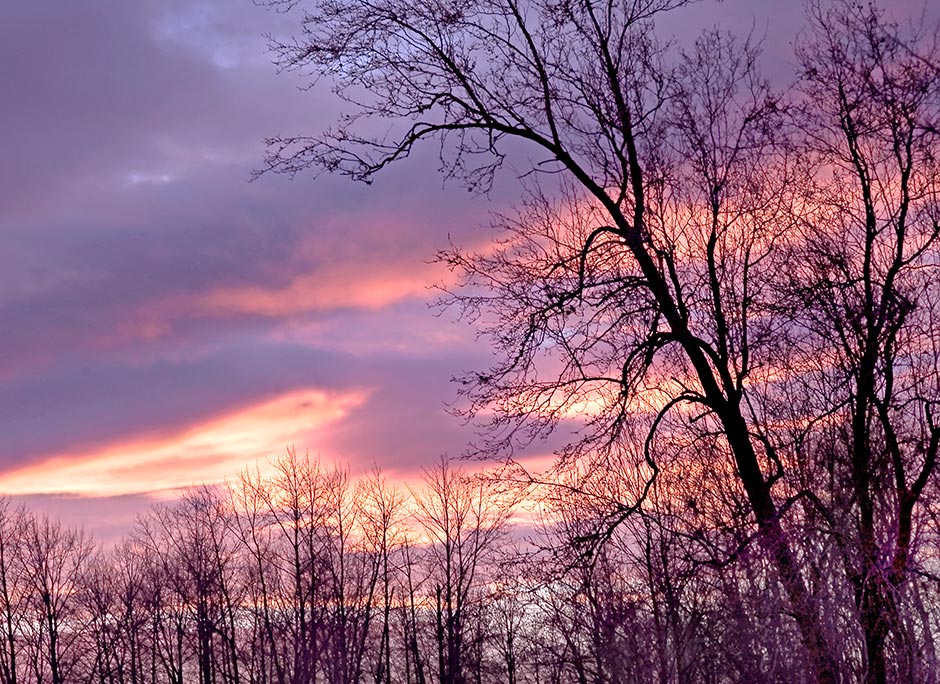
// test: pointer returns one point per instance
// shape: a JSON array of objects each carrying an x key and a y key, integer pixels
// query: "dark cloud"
[{"x": 85, "y": 84}]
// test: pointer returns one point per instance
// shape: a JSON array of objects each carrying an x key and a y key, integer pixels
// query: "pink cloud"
[{"x": 209, "y": 452}]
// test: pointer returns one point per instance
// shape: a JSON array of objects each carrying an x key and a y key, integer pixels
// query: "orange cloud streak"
[
  {"x": 207, "y": 453},
  {"x": 328, "y": 289}
]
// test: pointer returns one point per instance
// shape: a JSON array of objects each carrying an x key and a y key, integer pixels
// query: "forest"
[
  {"x": 300, "y": 573},
  {"x": 717, "y": 298}
]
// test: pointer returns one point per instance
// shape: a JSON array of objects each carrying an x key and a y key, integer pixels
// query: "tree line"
[{"x": 300, "y": 574}]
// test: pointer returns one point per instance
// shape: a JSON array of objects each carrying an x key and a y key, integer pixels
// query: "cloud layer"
[{"x": 164, "y": 320}]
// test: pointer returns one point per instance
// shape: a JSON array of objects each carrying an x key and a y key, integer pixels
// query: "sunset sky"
[{"x": 166, "y": 322}]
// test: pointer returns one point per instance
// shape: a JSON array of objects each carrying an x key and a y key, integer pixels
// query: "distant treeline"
[{"x": 302, "y": 574}]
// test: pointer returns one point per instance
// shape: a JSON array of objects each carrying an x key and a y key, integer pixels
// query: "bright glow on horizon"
[{"x": 211, "y": 452}]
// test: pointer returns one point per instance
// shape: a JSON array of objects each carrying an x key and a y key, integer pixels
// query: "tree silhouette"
[{"x": 701, "y": 266}]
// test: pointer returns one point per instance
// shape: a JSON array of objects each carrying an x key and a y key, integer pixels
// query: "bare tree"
[
  {"x": 266, "y": 579},
  {"x": 135, "y": 597},
  {"x": 192, "y": 543},
  {"x": 640, "y": 288},
  {"x": 416, "y": 663},
  {"x": 14, "y": 588},
  {"x": 382, "y": 528},
  {"x": 293, "y": 512},
  {"x": 866, "y": 293},
  {"x": 352, "y": 572},
  {"x": 55, "y": 559},
  {"x": 464, "y": 521}
]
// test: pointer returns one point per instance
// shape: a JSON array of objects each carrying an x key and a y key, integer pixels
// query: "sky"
[{"x": 166, "y": 322}]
